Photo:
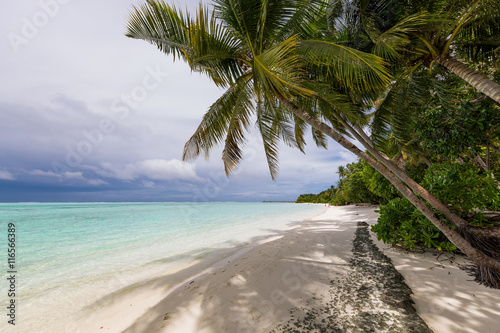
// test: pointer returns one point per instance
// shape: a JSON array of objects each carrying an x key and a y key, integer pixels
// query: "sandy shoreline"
[{"x": 255, "y": 288}]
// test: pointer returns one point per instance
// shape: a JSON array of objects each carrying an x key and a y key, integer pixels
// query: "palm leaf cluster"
[
  {"x": 412, "y": 36},
  {"x": 261, "y": 52}
]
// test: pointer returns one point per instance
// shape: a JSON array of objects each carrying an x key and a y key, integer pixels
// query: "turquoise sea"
[{"x": 70, "y": 254}]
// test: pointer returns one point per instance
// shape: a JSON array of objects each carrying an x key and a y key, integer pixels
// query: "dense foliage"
[
  {"x": 358, "y": 183},
  {"x": 323, "y": 197},
  {"x": 400, "y": 223},
  {"x": 464, "y": 188},
  {"x": 466, "y": 127}
]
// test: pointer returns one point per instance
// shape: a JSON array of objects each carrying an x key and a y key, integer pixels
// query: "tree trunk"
[
  {"x": 401, "y": 162},
  {"x": 425, "y": 159},
  {"x": 365, "y": 137},
  {"x": 480, "y": 162},
  {"x": 483, "y": 165},
  {"x": 474, "y": 236},
  {"x": 478, "y": 257},
  {"x": 429, "y": 197},
  {"x": 475, "y": 79},
  {"x": 488, "y": 156}
]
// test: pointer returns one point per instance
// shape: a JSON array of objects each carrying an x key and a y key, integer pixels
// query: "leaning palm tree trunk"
[
  {"x": 475, "y": 79},
  {"x": 250, "y": 52},
  {"x": 400, "y": 173},
  {"x": 425, "y": 159},
  {"x": 483, "y": 261},
  {"x": 485, "y": 240},
  {"x": 482, "y": 238}
]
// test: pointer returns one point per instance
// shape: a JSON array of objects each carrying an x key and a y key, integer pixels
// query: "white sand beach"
[{"x": 275, "y": 282}]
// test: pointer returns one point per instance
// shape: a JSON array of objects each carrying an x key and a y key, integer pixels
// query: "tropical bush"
[
  {"x": 323, "y": 197},
  {"x": 462, "y": 187},
  {"x": 378, "y": 184},
  {"x": 354, "y": 185},
  {"x": 401, "y": 224}
]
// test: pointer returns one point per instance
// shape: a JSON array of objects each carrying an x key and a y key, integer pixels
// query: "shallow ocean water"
[{"x": 71, "y": 254}]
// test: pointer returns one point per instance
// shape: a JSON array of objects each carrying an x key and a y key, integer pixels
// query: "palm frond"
[
  {"x": 217, "y": 120},
  {"x": 392, "y": 110},
  {"x": 280, "y": 71},
  {"x": 352, "y": 69},
  {"x": 319, "y": 138},
  {"x": 283, "y": 124},
  {"x": 161, "y": 25},
  {"x": 235, "y": 137},
  {"x": 477, "y": 11},
  {"x": 299, "y": 129},
  {"x": 201, "y": 41},
  {"x": 260, "y": 22},
  {"x": 276, "y": 123},
  {"x": 241, "y": 17},
  {"x": 270, "y": 138},
  {"x": 303, "y": 19},
  {"x": 479, "y": 36},
  {"x": 334, "y": 105},
  {"x": 389, "y": 44},
  {"x": 412, "y": 92}
]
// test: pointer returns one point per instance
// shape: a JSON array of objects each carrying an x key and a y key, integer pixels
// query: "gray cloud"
[
  {"x": 82, "y": 105},
  {"x": 154, "y": 169},
  {"x": 65, "y": 176},
  {"x": 6, "y": 175}
]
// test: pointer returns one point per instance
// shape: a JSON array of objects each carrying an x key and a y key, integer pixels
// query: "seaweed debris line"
[{"x": 372, "y": 297}]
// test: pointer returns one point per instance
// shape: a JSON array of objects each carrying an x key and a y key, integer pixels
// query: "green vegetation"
[
  {"x": 466, "y": 189},
  {"x": 358, "y": 183},
  {"x": 391, "y": 68},
  {"x": 323, "y": 197}
]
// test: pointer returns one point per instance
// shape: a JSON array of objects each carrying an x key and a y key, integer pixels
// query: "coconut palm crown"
[
  {"x": 415, "y": 37},
  {"x": 261, "y": 53},
  {"x": 426, "y": 32}
]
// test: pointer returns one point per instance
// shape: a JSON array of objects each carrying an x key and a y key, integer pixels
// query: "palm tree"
[
  {"x": 466, "y": 29},
  {"x": 387, "y": 28},
  {"x": 250, "y": 49},
  {"x": 342, "y": 172},
  {"x": 356, "y": 27},
  {"x": 262, "y": 54},
  {"x": 428, "y": 31}
]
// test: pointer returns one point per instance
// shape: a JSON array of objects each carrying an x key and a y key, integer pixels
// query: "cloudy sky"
[{"x": 87, "y": 114}]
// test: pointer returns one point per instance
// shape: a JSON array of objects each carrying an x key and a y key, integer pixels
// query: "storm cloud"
[{"x": 87, "y": 114}]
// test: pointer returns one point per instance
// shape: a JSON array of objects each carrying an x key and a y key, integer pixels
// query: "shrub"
[
  {"x": 463, "y": 188},
  {"x": 400, "y": 223},
  {"x": 378, "y": 184}
]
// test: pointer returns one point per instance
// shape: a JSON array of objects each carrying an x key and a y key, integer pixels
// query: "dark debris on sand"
[{"x": 372, "y": 297}]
